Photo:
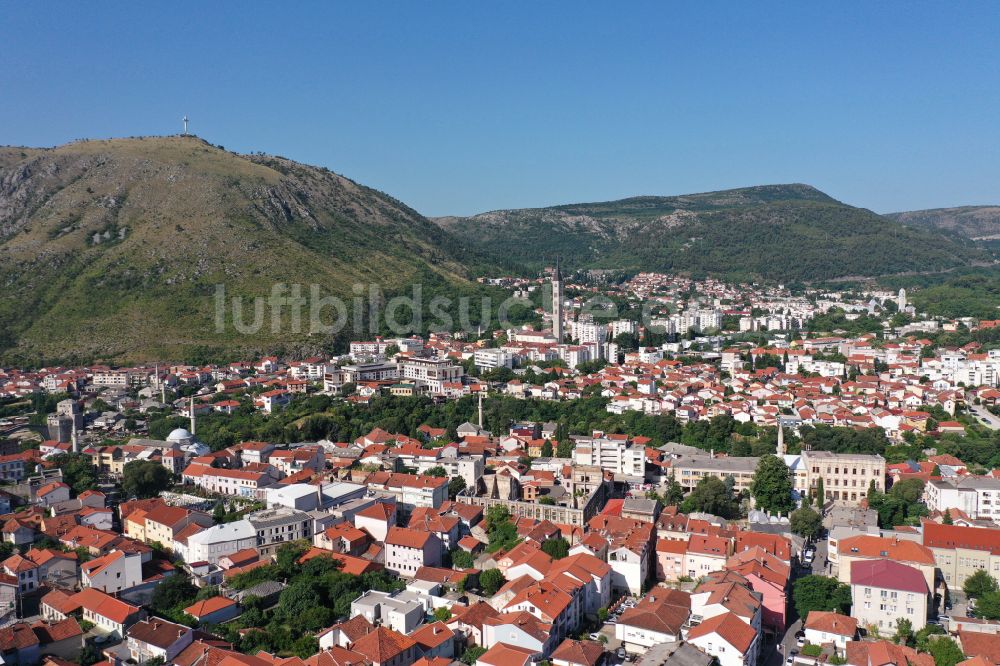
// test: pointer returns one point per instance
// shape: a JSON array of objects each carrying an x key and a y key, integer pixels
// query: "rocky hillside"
[
  {"x": 978, "y": 222},
  {"x": 113, "y": 249},
  {"x": 784, "y": 232}
]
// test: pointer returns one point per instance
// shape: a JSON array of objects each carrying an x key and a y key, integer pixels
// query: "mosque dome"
[{"x": 179, "y": 435}]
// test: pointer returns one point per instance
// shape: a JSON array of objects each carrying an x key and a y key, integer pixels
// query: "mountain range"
[
  {"x": 115, "y": 249},
  {"x": 780, "y": 232}
]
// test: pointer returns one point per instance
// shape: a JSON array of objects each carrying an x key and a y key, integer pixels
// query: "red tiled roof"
[
  {"x": 729, "y": 627},
  {"x": 889, "y": 575},
  {"x": 382, "y": 645},
  {"x": 208, "y": 606},
  {"x": 502, "y": 654},
  {"x": 954, "y": 536},
  {"x": 832, "y": 623}
]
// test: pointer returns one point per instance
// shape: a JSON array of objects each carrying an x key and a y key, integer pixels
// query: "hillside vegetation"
[
  {"x": 782, "y": 232},
  {"x": 113, "y": 249}
]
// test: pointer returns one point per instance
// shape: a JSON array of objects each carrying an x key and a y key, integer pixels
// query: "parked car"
[
  {"x": 595, "y": 637},
  {"x": 800, "y": 641},
  {"x": 621, "y": 653}
]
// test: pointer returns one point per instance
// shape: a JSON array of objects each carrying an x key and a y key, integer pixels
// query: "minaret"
[
  {"x": 901, "y": 300},
  {"x": 557, "y": 304},
  {"x": 76, "y": 442},
  {"x": 192, "y": 416},
  {"x": 480, "y": 408},
  {"x": 781, "y": 440}
]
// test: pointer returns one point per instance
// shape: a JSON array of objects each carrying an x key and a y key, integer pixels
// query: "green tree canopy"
[
  {"x": 462, "y": 559},
  {"x": 772, "y": 486},
  {"x": 978, "y": 584},
  {"x": 557, "y": 548},
  {"x": 78, "y": 471},
  {"x": 945, "y": 651},
  {"x": 145, "y": 478},
  {"x": 988, "y": 605},
  {"x": 712, "y": 495},
  {"x": 490, "y": 581},
  {"x": 806, "y": 523},
  {"x": 821, "y": 593}
]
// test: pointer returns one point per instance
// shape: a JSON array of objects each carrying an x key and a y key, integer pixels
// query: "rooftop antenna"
[{"x": 185, "y": 125}]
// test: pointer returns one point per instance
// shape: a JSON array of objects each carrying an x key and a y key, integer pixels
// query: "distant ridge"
[
  {"x": 977, "y": 222},
  {"x": 782, "y": 232}
]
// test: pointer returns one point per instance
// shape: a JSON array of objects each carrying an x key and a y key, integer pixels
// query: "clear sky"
[{"x": 462, "y": 107}]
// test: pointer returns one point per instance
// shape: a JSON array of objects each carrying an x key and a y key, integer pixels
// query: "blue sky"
[{"x": 462, "y": 107}]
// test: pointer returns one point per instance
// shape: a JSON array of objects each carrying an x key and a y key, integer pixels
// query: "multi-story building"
[
  {"x": 867, "y": 548},
  {"x": 157, "y": 639},
  {"x": 883, "y": 591},
  {"x": 406, "y": 550},
  {"x": 280, "y": 525},
  {"x": 370, "y": 372},
  {"x": 961, "y": 551},
  {"x": 977, "y": 496},
  {"x": 212, "y": 544},
  {"x": 411, "y": 490},
  {"x": 614, "y": 453},
  {"x": 491, "y": 359},
  {"x": 845, "y": 476},
  {"x": 112, "y": 573},
  {"x": 688, "y": 472},
  {"x": 432, "y": 373},
  {"x": 469, "y": 468}
]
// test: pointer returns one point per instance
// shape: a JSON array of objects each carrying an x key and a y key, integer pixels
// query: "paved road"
[{"x": 983, "y": 414}]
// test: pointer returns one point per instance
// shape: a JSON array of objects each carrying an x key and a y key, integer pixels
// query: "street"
[
  {"x": 985, "y": 416},
  {"x": 819, "y": 566}
]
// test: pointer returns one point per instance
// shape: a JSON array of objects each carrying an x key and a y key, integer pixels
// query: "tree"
[
  {"x": 820, "y": 495},
  {"x": 904, "y": 631},
  {"x": 219, "y": 513},
  {"x": 979, "y": 584},
  {"x": 711, "y": 495},
  {"x": 988, "y": 606},
  {"x": 565, "y": 448},
  {"x": 674, "y": 494},
  {"x": 442, "y": 614},
  {"x": 557, "y": 548},
  {"x": 772, "y": 486},
  {"x": 438, "y": 472},
  {"x": 462, "y": 559},
  {"x": 821, "y": 593},
  {"x": 923, "y": 636},
  {"x": 472, "y": 654},
  {"x": 547, "y": 449},
  {"x": 145, "y": 478},
  {"x": 806, "y": 523},
  {"x": 78, "y": 471},
  {"x": 500, "y": 529},
  {"x": 455, "y": 486},
  {"x": 172, "y": 592},
  {"x": 945, "y": 651},
  {"x": 946, "y": 518},
  {"x": 490, "y": 581}
]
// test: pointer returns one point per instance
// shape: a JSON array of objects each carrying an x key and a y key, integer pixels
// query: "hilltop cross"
[{"x": 185, "y": 125}]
